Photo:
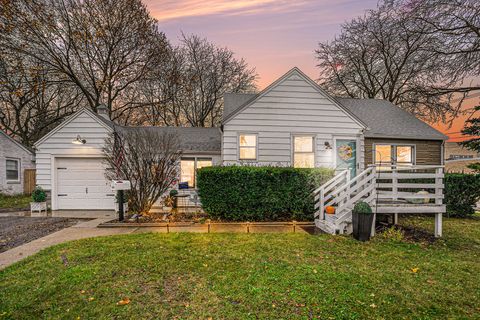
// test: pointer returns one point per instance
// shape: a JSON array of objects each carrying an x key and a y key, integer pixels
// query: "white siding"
[
  {"x": 60, "y": 144},
  {"x": 293, "y": 106}
]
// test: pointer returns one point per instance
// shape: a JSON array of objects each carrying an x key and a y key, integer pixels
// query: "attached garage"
[
  {"x": 81, "y": 184},
  {"x": 69, "y": 163}
]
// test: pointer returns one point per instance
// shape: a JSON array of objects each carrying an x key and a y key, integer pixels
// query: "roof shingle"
[
  {"x": 385, "y": 120},
  {"x": 192, "y": 139}
]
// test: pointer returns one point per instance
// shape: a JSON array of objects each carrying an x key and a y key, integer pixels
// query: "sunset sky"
[{"x": 271, "y": 35}]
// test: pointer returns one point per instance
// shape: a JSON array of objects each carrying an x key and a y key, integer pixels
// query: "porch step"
[{"x": 331, "y": 228}]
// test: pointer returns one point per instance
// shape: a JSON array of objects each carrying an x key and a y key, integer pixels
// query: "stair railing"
[{"x": 327, "y": 191}]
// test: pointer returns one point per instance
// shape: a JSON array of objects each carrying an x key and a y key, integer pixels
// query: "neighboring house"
[
  {"x": 457, "y": 158},
  {"x": 293, "y": 122},
  {"x": 14, "y": 159}
]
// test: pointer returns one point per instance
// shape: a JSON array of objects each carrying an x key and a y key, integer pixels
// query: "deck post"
[
  {"x": 322, "y": 201},
  {"x": 438, "y": 201},
  {"x": 372, "y": 234},
  {"x": 395, "y": 184},
  {"x": 395, "y": 219},
  {"x": 438, "y": 225}
]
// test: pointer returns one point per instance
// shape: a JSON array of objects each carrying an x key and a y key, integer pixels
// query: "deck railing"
[
  {"x": 411, "y": 184},
  {"x": 327, "y": 191},
  {"x": 388, "y": 188}
]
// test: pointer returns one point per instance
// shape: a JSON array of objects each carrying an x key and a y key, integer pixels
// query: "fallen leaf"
[
  {"x": 205, "y": 265},
  {"x": 123, "y": 302},
  {"x": 273, "y": 306},
  {"x": 372, "y": 295},
  {"x": 91, "y": 299},
  {"x": 315, "y": 271},
  {"x": 373, "y": 305},
  {"x": 82, "y": 291},
  {"x": 415, "y": 270}
]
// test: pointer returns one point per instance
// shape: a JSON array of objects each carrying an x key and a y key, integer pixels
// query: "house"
[
  {"x": 14, "y": 160},
  {"x": 457, "y": 158},
  {"x": 292, "y": 122}
]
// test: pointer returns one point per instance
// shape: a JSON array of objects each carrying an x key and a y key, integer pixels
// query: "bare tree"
[
  {"x": 188, "y": 88},
  {"x": 148, "y": 158},
  {"x": 207, "y": 73},
  {"x": 32, "y": 99},
  {"x": 102, "y": 46},
  {"x": 157, "y": 101},
  {"x": 388, "y": 54},
  {"x": 456, "y": 25}
]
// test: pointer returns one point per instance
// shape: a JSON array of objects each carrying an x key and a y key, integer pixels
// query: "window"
[
  {"x": 401, "y": 155},
  {"x": 13, "y": 169},
  {"x": 188, "y": 169},
  {"x": 247, "y": 146},
  {"x": 303, "y": 154}
]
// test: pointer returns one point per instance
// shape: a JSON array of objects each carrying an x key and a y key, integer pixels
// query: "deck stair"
[{"x": 388, "y": 189}]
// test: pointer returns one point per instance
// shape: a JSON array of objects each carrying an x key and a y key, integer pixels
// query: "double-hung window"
[
  {"x": 389, "y": 154},
  {"x": 247, "y": 146},
  {"x": 13, "y": 170},
  {"x": 303, "y": 152}
]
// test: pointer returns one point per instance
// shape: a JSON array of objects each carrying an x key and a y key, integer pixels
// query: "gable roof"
[
  {"x": 16, "y": 142},
  {"x": 385, "y": 120},
  {"x": 253, "y": 98},
  {"x": 101, "y": 121},
  {"x": 192, "y": 139},
  {"x": 232, "y": 101}
]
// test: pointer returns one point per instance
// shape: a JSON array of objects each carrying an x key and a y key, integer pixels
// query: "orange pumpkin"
[{"x": 330, "y": 210}]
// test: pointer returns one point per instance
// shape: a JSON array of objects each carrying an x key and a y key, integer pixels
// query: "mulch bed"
[
  {"x": 162, "y": 217},
  {"x": 15, "y": 231},
  {"x": 410, "y": 234}
]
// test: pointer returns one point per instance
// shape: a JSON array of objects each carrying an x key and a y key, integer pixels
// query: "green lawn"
[
  {"x": 17, "y": 202},
  {"x": 250, "y": 276}
]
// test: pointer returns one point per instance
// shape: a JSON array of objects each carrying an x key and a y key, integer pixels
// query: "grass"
[
  {"x": 250, "y": 276},
  {"x": 15, "y": 202}
]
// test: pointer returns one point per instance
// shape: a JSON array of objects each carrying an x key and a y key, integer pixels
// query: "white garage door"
[{"x": 81, "y": 184}]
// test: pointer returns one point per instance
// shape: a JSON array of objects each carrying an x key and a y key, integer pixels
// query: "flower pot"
[{"x": 362, "y": 226}]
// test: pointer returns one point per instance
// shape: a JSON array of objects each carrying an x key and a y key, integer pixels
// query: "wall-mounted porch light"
[
  {"x": 79, "y": 140},
  {"x": 327, "y": 145}
]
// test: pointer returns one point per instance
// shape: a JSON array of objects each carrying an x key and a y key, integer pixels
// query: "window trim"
[
  {"x": 19, "y": 169},
  {"x": 195, "y": 167},
  {"x": 314, "y": 148},
  {"x": 239, "y": 147},
  {"x": 394, "y": 152}
]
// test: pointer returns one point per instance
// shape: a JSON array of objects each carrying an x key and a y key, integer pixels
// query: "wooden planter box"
[{"x": 36, "y": 209}]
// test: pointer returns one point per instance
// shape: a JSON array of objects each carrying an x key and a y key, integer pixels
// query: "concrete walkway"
[{"x": 82, "y": 230}]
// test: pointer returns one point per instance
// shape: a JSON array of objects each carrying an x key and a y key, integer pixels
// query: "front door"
[{"x": 346, "y": 155}]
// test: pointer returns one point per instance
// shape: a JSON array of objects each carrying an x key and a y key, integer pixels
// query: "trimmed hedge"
[
  {"x": 242, "y": 193},
  {"x": 462, "y": 191}
]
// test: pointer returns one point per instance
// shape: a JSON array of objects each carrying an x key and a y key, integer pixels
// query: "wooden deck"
[{"x": 388, "y": 190}]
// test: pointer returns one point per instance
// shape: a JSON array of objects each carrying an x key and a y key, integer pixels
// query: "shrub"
[
  {"x": 362, "y": 208},
  {"x": 39, "y": 195},
  {"x": 462, "y": 191},
  {"x": 247, "y": 193}
]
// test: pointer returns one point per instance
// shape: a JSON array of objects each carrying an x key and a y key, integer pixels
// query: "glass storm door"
[{"x": 346, "y": 155}]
